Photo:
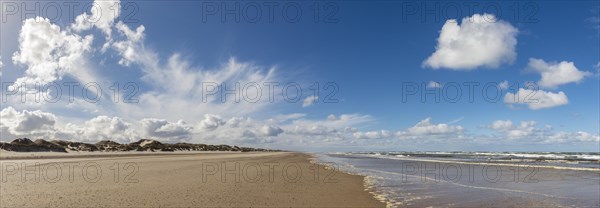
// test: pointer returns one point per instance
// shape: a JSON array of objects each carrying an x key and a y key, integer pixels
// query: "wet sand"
[{"x": 179, "y": 180}]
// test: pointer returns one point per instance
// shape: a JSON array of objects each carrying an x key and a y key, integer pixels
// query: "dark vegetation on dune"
[{"x": 40, "y": 145}]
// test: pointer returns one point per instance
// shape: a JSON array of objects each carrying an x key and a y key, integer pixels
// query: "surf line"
[{"x": 494, "y": 164}]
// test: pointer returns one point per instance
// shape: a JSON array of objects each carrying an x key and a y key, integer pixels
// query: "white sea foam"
[{"x": 551, "y": 160}]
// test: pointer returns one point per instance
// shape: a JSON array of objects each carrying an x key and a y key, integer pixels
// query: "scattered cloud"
[
  {"x": 594, "y": 21},
  {"x": 100, "y": 128},
  {"x": 103, "y": 16},
  {"x": 597, "y": 66},
  {"x": 555, "y": 74},
  {"x": 210, "y": 122},
  {"x": 426, "y": 127},
  {"x": 240, "y": 130},
  {"x": 524, "y": 129},
  {"x": 332, "y": 126},
  {"x": 459, "y": 47},
  {"x": 177, "y": 86},
  {"x": 502, "y": 125},
  {"x": 536, "y": 99},
  {"x": 331, "y": 117},
  {"x": 433, "y": 84},
  {"x": 310, "y": 100},
  {"x": 504, "y": 85},
  {"x": 162, "y": 129},
  {"x": 529, "y": 132},
  {"x": 1, "y": 65},
  {"x": 270, "y": 130},
  {"x": 49, "y": 52},
  {"x": 372, "y": 134},
  {"x": 287, "y": 117},
  {"x": 586, "y": 137},
  {"x": 129, "y": 47},
  {"x": 333, "y": 130},
  {"x": 27, "y": 122}
]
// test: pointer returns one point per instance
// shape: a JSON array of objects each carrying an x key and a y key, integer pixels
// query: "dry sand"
[{"x": 179, "y": 180}]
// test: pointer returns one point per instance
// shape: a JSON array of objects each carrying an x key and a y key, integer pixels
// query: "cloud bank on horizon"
[{"x": 172, "y": 106}]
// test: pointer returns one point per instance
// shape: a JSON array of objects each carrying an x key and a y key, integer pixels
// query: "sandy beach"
[{"x": 208, "y": 179}]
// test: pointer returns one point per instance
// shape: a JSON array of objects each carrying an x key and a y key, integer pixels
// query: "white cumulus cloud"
[
  {"x": 103, "y": 15},
  {"x": 502, "y": 125},
  {"x": 331, "y": 127},
  {"x": 310, "y": 100},
  {"x": 100, "y": 128},
  {"x": 237, "y": 130},
  {"x": 524, "y": 129},
  {"x": 528, "y": 133},
  {"x": 27, "y": 123},
  {"x": 555, "y": 74},
  {"x": 129, "y": 47},
  {"x": 480, "y": 41},
  {"x": 48, "y": 52},
  {"x": 163, "y": 129},
  {"x": 372, "y": 134},
  {"x": 536, "y": 99},
  {"x": 426, "y": 127},
  {"x": 270, "y": 130},
  {"x": 210, "y": 122}
]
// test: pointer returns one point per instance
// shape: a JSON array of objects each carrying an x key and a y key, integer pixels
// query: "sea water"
[{"x": 476, "y": 179}]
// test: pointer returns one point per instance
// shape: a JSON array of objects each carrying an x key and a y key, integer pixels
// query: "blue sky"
[{"x": 370, "y": 50}]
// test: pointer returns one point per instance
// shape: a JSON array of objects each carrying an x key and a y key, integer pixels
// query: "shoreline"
[
  {"x": 185, "y": 181},
  {"x": 368, "y": 184}
]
